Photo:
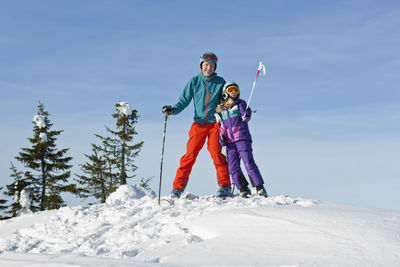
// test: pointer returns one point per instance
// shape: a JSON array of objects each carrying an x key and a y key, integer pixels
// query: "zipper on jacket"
[{"x": 207, "y": 97}]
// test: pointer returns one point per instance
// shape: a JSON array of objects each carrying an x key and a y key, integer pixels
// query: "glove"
[
  {"x": 222, "y": 141},
  {"x": 167, "y": 110},
  {"x": 246, "y": 117}
]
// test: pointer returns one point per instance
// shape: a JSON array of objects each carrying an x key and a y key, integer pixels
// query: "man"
[{"x": 206, "y": 91}]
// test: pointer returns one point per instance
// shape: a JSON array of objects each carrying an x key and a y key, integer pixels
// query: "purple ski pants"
[{"x": 242, "y": 150}]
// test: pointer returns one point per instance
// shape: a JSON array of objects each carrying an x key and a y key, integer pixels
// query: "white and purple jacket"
[{"x": 233, "y": 128}]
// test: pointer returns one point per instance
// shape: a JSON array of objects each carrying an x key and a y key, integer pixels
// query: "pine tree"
[
  {"x": 110, "y": 161},
  {"x": 98, "y": 179},
  {"x": 145, "y": 182},
  {"x": 49, "y": 169},
  {"x": 2, "y": 206},
  {"x": 109, "y": 152},
  {"x": 14, "y": 190},
  {"x": 125, "y": 152}
]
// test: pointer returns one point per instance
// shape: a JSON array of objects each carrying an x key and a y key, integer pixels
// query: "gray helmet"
[
  {"x": 225, "y": 93},
  {"x": 210, "y": 58}
]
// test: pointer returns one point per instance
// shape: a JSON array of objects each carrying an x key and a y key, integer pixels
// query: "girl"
[{"x": 235, "y": 134}]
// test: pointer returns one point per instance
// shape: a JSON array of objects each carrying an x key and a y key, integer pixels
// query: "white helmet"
[{"x": 230, "y": 85}]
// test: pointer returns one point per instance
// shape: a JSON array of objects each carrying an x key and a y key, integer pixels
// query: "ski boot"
[
  {"x": 176, "y": 193},
  {"x": 223, "y": 192},
  {"x": 260, "y": 191},
  {"x": 245, "y": 192}
]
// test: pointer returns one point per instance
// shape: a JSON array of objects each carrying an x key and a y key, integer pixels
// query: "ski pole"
[
  {"x": 261, "y": 66},
  {"x": 162, "y": 157}
]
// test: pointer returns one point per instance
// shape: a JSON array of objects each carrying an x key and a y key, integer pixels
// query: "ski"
[
  {"x": 186, "y": 196},
  {"x": 192, "y": 197}
]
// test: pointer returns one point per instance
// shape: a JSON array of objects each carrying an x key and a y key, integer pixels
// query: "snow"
[
  {"x": 124, "y": 108},
  {"x": 25, "y": 202},
  {"x": 126, "y": 192},
  {"x": 43, "y": 137},
  {"x": 39, "y": 120},
  {"x": 130, "y": 229},
  {"x": 16, "y": 193}
]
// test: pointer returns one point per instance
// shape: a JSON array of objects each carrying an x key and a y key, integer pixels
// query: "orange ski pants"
[{"x": 197, "y": 136}]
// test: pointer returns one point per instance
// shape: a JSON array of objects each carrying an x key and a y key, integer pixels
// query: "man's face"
[{"x": 208, "y": 69}]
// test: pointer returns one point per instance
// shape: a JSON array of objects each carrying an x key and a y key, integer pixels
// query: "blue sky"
[{"x": 328, "y": 111}]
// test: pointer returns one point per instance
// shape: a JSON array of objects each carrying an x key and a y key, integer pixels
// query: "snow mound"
[
  {"x": 128, "y": 192},
  {"x": 132, "y": 229}
]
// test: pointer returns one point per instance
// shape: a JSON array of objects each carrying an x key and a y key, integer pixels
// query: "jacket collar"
[
  {"x": 233, "y": 104},
  {"x": 201, "y": 75}
]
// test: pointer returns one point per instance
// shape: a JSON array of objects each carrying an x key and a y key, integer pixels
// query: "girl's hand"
[{"x": 246, "y": 117}]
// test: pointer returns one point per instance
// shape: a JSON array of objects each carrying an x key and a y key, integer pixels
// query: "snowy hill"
[{"x": 132, "y": 230}]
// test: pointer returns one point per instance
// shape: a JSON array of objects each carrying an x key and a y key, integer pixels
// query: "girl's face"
[
  {"x": 233, "y": 95},
  {"x": 233, "y": 91}
]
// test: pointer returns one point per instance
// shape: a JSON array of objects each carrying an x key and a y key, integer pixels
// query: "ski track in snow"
[{"x": 138, "y": 229}]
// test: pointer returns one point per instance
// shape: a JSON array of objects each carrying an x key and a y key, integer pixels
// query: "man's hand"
[{"x": 167, "y": 110}]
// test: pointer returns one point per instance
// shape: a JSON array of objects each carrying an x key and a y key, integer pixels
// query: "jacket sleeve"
[
  {"x": 242, "y": 107},
  {"x": 185, "y": 98}
]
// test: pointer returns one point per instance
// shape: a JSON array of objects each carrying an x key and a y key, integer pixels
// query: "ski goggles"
[
  {"x": 232, "y": 90},
  {"x": 209, "y": 57}
]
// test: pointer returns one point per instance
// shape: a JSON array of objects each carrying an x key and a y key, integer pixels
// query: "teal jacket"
[{"x": 206, "y": 93}]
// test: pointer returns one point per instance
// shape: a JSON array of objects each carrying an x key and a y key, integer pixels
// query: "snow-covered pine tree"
[
  {"x": 14, "y": 190},
  {"x": 49, "y": 168},
  {"x": 2, "y": 206},
  {"x": 110, "y": 161},
  {"x": 122, "y": 138}
]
